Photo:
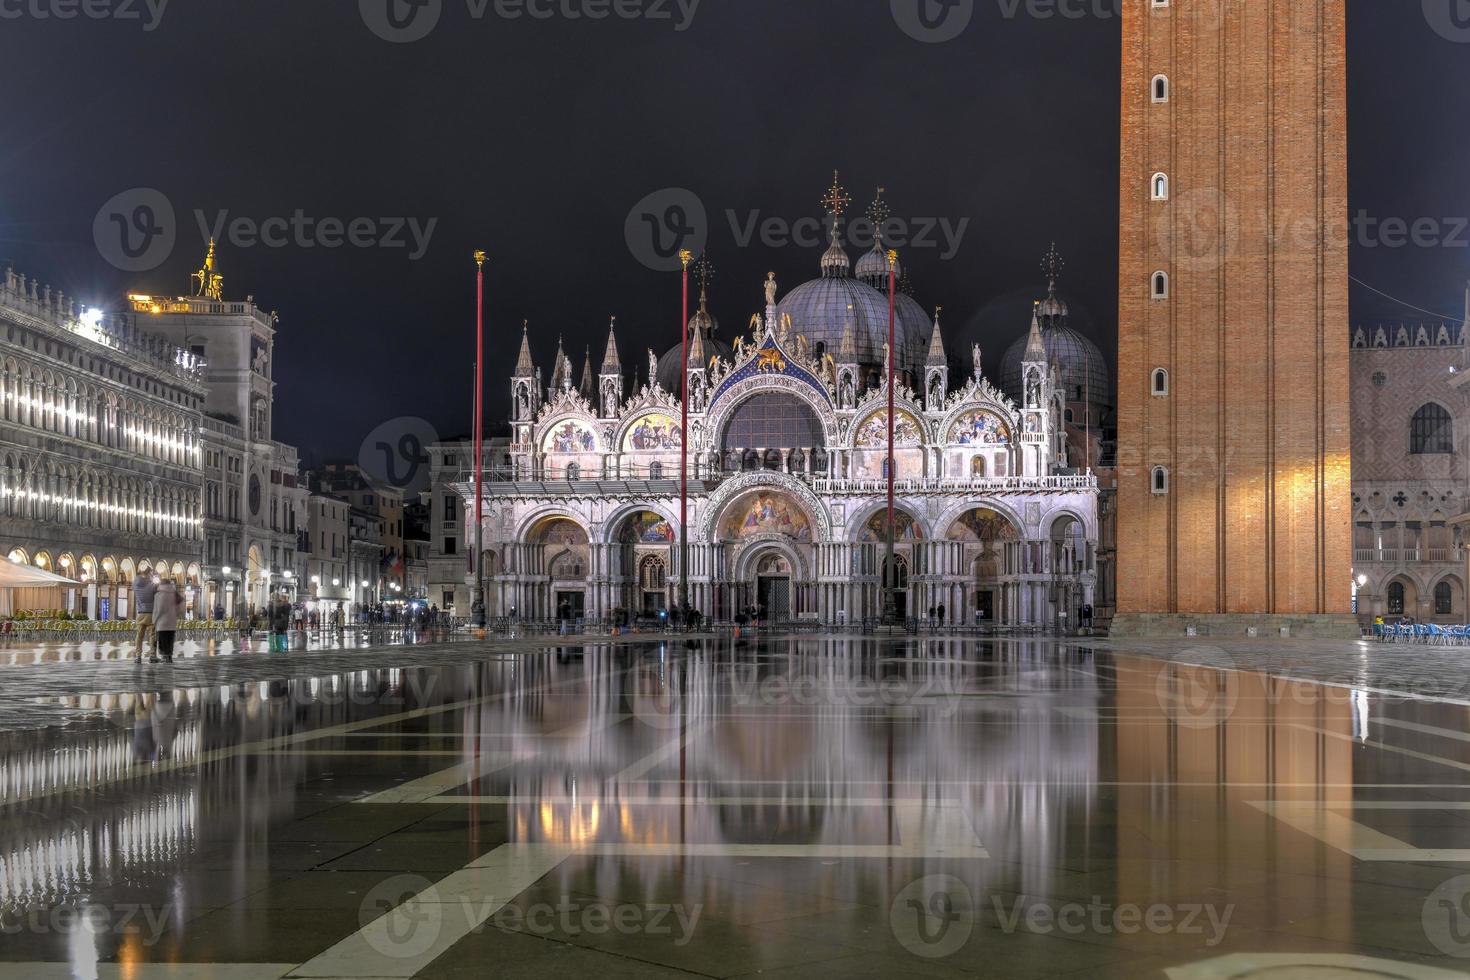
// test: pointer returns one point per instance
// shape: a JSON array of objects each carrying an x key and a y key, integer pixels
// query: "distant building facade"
[
  {"x": 254, "y": 505},
  {"x": 1411, "y": 485},
  {"x": 100, "y": 447}
]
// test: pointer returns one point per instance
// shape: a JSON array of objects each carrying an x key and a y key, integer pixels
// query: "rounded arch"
[
  {"x": 19, "y": 556},
  {"x": 656, "y": 426},
  {"x": 945, "y": 525},
  {"x": 729, "y": 401},
  {"x": 749, "y": 559},
  {"x": 871, "y": 421},
  {"x": 562, "y": 433},
  {"x": 708, "y": 523},
  {"x": 870, "y": 518},
  {"x": 612, "y": 526},
  {"x": 533, "y": 522}
]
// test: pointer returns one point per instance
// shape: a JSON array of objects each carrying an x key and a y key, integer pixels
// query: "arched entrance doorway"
[
  {"x": 873, "y": 539},
  {"x": 640, "y": 565},
  {"x": 988, "y": 537},
  {"x": 766, "y": 536},
  {"x": 554, "y": 577}
]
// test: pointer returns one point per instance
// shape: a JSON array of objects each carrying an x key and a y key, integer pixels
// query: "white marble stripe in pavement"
[
  {"x": 144, "y": 971},
  {"x": 408, "y": 938}
]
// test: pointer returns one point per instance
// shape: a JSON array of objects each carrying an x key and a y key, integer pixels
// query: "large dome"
[
  {"x": 1084, "y": 372},
  {"x": 704, "y": 324},
  {"x": 821, "y": 310}
]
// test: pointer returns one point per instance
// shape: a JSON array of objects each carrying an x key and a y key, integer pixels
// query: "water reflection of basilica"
[{"x": 788, "y": 445}]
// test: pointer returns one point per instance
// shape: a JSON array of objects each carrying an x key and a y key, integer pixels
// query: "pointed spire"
[
  {"x": 936, "y": 344},
  {"x": 524, "y": 366},
  {"x": 1035, "y": 346},
  {"x": 696, "y": 348},
  {"x": 610, "y": 362},
  {"x": 587, "y": 387}
]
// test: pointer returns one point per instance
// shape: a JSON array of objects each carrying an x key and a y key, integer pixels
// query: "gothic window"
[
  {"x": 1431, "y": 431},
  {"x": 1159, "y": 187},
  {"x": 1160, "y": 385},
  {"x": 655, "y": 471},
  {"x": 1396, "y": 599},
  {"x": 774, "y": 420},
  {"x": 1443, "y": 599},
  {"x": 1161, "y": 88},
  {"x": 574, "y": 472},
  {"x": 653, "y": 574}
]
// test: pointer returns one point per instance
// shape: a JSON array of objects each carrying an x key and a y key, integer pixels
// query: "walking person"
[
  {"x": 144, "y": 588},
  {"x": 167, "y": 601}
]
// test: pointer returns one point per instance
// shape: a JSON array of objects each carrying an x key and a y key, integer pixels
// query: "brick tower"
[{"x": 1233, "y": 439}]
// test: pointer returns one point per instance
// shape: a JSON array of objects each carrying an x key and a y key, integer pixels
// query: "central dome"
[{"x": 823, "y": 309}]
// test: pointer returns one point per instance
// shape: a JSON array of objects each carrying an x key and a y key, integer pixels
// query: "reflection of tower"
[{"x": 1233, "y": 483}]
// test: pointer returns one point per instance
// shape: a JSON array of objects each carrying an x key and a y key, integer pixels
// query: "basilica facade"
[{"x": 787, "y": 477}]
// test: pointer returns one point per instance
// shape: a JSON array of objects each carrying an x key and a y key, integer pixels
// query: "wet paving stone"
[{"x": 813, "y": 806}]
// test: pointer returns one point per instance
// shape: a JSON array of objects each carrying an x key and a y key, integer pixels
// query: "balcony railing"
[{"x": 1406, "y": 555}]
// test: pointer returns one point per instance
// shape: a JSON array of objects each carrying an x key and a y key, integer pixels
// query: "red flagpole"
[
  {"x": 684, "y": 257},
  {"x": 890, "y": 575},
  {"x": 477, "y": 607}
]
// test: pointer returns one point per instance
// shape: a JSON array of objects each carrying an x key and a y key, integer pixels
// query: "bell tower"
[{"x": 1233, "y": 442}]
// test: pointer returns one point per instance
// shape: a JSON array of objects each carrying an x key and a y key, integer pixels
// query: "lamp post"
[
  {"x": 477, "y": 608},
  {"x": 890, "y": 570},
  {"x": 684, "y": 256}
]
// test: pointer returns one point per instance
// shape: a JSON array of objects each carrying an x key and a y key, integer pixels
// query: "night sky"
[{"x": 535, "y": 139}]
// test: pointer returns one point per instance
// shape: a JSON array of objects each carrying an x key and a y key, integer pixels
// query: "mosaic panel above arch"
[
  {"x": 872, "y": 432},
  {"x": 570, "y": 436},
  {"x": 765, "y": 512},
  {"x": 979, "y": 427},
  {"x": 905, "y": 527},
  {"x": 654, "y": 431},
  {"x": 982, "y": 525}
]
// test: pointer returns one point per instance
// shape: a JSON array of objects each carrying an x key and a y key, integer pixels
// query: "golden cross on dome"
[
  {"x": 705, "y": 270},
  {"x": 1052, "y": 264},
  {"x": 878, "y": 211},
  {"x": 836, "y": 200}
]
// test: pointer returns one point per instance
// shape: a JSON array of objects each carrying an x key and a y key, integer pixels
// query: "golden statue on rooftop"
[{"x": 207, "y": 282}]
